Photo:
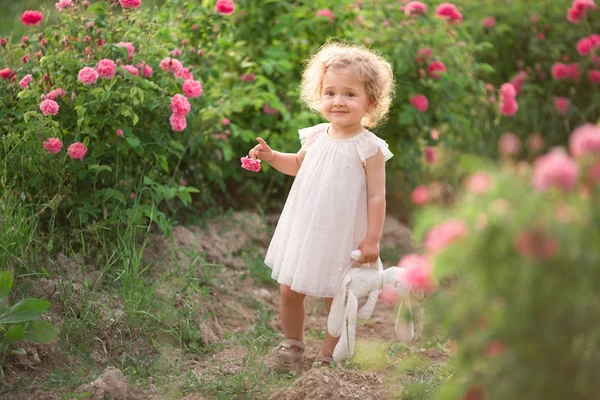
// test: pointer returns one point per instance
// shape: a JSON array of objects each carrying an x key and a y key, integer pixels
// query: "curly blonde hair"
[{"x": 371, "y": 69}]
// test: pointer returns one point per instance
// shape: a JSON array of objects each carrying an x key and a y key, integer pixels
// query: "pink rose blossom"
[
  {"x": 518, "y": 81},
  {"x": 574, "y": 71},
  {"x": 435, "y": 134},
  {"x": 585, "y": 46},
  {"x": 429, "y": 155},
  {"x": 250, "y": 164},
  {"x": 63, "y": 4},
  {"x": 106, "y": 68},
  {"x": 535, "y": 142},
  {"x": 31, "y": 17},
  {"x": 508, "y": 106},
  {"x": 423, "y": 54},
  {"x": 176, "y": 52},
  {"x": 442, "y": 235},
  {"x": 5, "y": 73},
  {"x": 247, "y": 77},
  {"x": 420, "y": 102},
  {"x": 225, "y": 7},
  {"x": 555, "y": 169},
  {"x": 55, "y": 94},
  {"x": 267, "y": 109},
  {"x": 49, "y": 107},
  {"x": 495, "y": 348},
  {"x": 180, "y": 105},
  {"x": 585, "y": 140},
  {"x": 594, "y": 76},
  {"x": 192, "y": 89},
  {"x": 145, "y": 69},
  {"x": 131, "y": 69},
  {"x": 536, "y": 244},
  {"x": 88, "y": 75},
  {"x": 178, "y": 122},
  {"x": 489, "y": 22},
  {"x": 184, "y": 74},
  {"x": 77, "y": 151},
  {"x": 508, "y": 90},
  {"x": 183, "y": 182},
  {"x": 129, "y": 47},
  {"x": 171, "y": 64},
  {"x": 562, "y": 105},
  {"x": 559, "y": 71},
  {"x": 418, "y": 272},
  {"x": 24, "y": 83},
  {"x": 420, "y": 195},
  {"x": 130, "y": 3},
  {"x": 449, "y": 12},
  {"x": 415, "y": 8},
  {"x": 119, "y": 132},
  {"x": 225, "y": 121},
  {"x": 195, "y": 27},
  {"x": 53, "y": 145},
  {"x": 509, "y": 144},
  {"x": 479, "y": 182},
  {"x": 434, "y": 68},
  {"x": 326, "y": 13}
]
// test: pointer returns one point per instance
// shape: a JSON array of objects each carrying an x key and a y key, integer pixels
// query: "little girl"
[{"x": 337, "y": 202}]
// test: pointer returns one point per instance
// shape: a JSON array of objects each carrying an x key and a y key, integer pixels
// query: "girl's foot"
[
  {"x": 291, "y": 350},
  {"x": 324, "y": 361}
]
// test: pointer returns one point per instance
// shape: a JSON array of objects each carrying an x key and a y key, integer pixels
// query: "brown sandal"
[
  {"x": 286, "y": 351},
  {"x": 324, "y": 361}
]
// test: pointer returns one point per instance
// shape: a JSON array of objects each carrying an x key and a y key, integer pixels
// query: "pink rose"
[
  {"x": 5, "y": 73},
  {"x": 267, "y": 109},
  {"x": 509, "y": 144},
  {"x": 594, "y": 76},
  {"x": 250, "y": 164},
  {"x": 574, "y": 71},
  {"x": 130, "y": 3},
  {"x": 434, "y": 68},
  {"x": 31, "y": 17},
  {"x": 54, "y": 94},
  {"x": 535, "y": 142},
  {"x": 88, "y": 75},
  {"x": 554, "y": 169},
  {"x": 180, "y": 105},
  {"x": 326, "y": 13},
  {"x": 53, "y": 145},
  {"x": 192, "y": 89},
  {"x": 168, "y": 64},
  {"x": 225, "y": 121},
  {"x": 24, "y": 83},
  {"x": 442, "y": 235},
  {"x": 435, "y": 134},
  {"x": 418, "y": 272},
  {"x": 247, "y": 77},
  {"x": 559, "y": 71},
  {"x": 429, "y": 155},
  {"x": 77, "y": 151},
  {"x": 131, "y": 69},
  {"x": 479, "y": 182},
  {"x": 225, "y": 7},
  {"x": 129, "y": 47},
  {"x": 420, "y": 195},
  {"x": 420, "y": 102},
  {"x": 184, "y": 74},
  {"x": 178, "y": 122},
  {"x": 585, "y": 140},
  {"x": 106, "y": 68},
  {"x": 119, "y": 132},
  {"x": 415, "y": 8},
  {"x": 63, "y": 4},
  {"x": 536, "y": 244},
  {"x": 585, "y": 46},
  {"x": 494, "y": 348},
  {"x": 449, "y": 12},
  {"x": 49, "y": 107},
  {"x": 424, "y": 53},
  {"x": 489, "y": 22},
  {"x": 562, "y": 105},
  {"x": 145, "y": 69}
]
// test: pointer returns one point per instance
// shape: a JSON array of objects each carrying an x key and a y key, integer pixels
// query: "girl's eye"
[
  {"x": 329, "y": 94},
  {"x": 350, "y": 94}
]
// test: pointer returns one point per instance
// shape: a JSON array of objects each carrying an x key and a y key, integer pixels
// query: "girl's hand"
[
  {"x": 369, "y": 251},
  {"x": 262, "y": 151}
]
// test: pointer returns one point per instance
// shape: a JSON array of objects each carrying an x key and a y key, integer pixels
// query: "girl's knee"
[{"x": 287, "y": 295}]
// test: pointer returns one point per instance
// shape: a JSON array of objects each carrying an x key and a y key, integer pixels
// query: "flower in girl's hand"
[{"x": 250, "y": 164}]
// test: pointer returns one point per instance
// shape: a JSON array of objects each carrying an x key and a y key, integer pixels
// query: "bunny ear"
[
  {"x": 404, "y": 328},
  {"x": 335, "y": 320}
]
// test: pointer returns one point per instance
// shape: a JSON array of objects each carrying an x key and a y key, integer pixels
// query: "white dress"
[{"x": 325, "y": 215}]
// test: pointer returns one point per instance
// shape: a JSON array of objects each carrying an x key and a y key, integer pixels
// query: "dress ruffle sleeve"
[
  {"x": 369, "y": 144},
  {"x": 307, "y": 135}
]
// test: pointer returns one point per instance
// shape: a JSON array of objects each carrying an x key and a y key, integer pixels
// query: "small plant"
[{"x": 17, "y": 321}]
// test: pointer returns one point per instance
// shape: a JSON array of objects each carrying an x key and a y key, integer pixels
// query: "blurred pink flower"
[
  {"x": 420, "y": 102},
  {"x": 268, "y": 110},
  {"x": 63, "y": 4},
  {"x": 55, "y": 94},
  {"x": 49, "y": 107},
  {"x": 77, "y": 151},
  {"x": 250, "y": 164},
  {"x": 562, "y": 105},
  {"x": 508, "y": 90},
  {"x": 593, "y": 176},
  {"x": 509, "y": 144},
  {"x": 508, "y": 106},
  {"x": 435, "y": 134},
  {"x": 180, "y": 105},
  {"x": 536, "y": 244},
  {"x": 534, "y": 18},
  {"x": 225, "y": 7},
  {"x": 178, "y": 122},
  {"x": 106, "y": 68},
  {"x": 88, "y": 75},
  {"x": 132, "y": 195},
  {"x": 184, "y": 74},
  {"x": 5, "y": 73},
  {"x": 131, "y": 69},
  {"x": 326, "y": 13},
  {"x": 176, "y": 52},
  {"x": 518, "y": 81},
  {"x": 130, "y": 3},
  {"x": 171, "y": 64},
  {"x": 574, "y": 71},
  {"x": 30, "y": 17},
  {"x": 559, "y": 71},
  {"x": 420, "y": 195},
  {"x": 415, "y": 8},
  {"x": 585, "y": 140},
  {"x": 535, "y": 142},
  {"x": 24, "y": 83},
  {"x": 119, "y": 132},
  {"x": 585, "y": 46},
  {"x": 594, "y": 76},
  {"x": 429, "y": 155},
  {"x": 418, "y": 272},
  {"x": 192, "y": 88},
  {"x": 494, "y": 348},
  {"x": 434, "y": 68},
  {"x": 145, "y": 69},
  {"x": 442, "y": 235},
  {"x": 129, "y": 47},
  {"x": 575, "y": 15},
  {"x": 555, "y": 169},
  {"x": 247, "y": 77},
  {"x": 225, "y": 121},
  {"x": 183, "y": 182},
  {"x": 53, "y": 145},
  {"x": 489, "y": 22},
  {"x": 475, "y": 392},
  {"x": 449, "y": 12},
  {"x": 478, "y": 183},
  {"x": 423, "y": 54}
]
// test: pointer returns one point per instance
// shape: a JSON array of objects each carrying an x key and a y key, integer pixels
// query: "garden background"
[{"x": 131, "y": 240}]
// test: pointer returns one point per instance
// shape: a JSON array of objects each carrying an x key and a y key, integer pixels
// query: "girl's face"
[{"x": 344, "y": 101}]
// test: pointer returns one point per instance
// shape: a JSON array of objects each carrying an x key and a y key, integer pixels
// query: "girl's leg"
[
  {"x": 330, "y": 341},
  {"x": 292, "y": 313}
]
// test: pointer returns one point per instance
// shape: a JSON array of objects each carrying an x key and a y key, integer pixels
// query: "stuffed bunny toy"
[{"x": 370, "y": 282}]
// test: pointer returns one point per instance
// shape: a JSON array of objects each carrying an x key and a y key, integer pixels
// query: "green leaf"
[
  {"x": 15, "y": 333},
  {"x": 133, "y": 141},
  {"x": 24, "y": 311},
  {"x": 39, "y": 332},
  {"x": 162, "y": 161},
  {"x": 6, "y": 283}
]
